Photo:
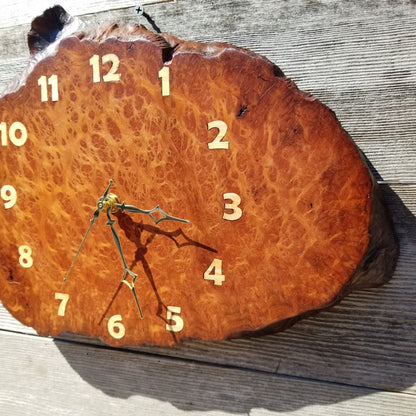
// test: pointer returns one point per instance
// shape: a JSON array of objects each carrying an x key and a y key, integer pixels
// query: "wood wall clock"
[{"x": 155, "y": 190}]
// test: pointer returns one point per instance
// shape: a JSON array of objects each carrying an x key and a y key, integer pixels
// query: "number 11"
[{"x": 43, "y": 83}]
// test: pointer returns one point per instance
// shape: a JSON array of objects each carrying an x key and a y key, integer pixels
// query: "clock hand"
[
  {"x": 100, "y": 207},
  {"x": 130, "y": 208},
  {"x": 110, "y": 203},
  {"x": 126, "y": 271}
]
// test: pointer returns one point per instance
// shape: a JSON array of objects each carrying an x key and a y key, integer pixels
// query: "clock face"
[{"x": 215, "y": 135}]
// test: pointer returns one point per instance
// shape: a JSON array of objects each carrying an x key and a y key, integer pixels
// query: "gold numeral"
[
  {"x": 164, "y": 75},
  {"x": 9, "y": 195},
  {"x": 43, "y": 83},
  {"x": 234, "y": 206},
  {"x": 214, "y": 272},
  {"x": 25, "y": 257},
  {"x": 64, "y": 298},
  {"x": 217, "y": 143},
  {"x": 172, "y": 314},
  {"x": 17, "y": 133},
  {"x": 111, "y": 75},
  {"x": 115, "y": 328}
]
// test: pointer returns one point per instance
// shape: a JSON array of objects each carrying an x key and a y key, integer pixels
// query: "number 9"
[{"x": 9, "y": 195}]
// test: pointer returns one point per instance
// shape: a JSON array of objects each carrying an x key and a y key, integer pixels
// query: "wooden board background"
[{"x": 358, "y": 57}]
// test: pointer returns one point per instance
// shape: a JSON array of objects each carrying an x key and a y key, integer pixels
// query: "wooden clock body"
[{"x": 284, "y": 216}]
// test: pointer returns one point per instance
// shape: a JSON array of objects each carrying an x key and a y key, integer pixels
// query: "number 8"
[{"x": 25, "y": 259}]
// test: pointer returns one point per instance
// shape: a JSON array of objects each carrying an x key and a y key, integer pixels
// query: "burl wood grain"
[{"x": 313, "y": 226}]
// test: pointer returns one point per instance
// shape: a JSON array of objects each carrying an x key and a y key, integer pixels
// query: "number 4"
[{"x": 214, "y": 272}]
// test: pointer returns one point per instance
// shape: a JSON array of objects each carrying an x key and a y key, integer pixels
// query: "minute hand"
[{"x": 130, "y": 208}]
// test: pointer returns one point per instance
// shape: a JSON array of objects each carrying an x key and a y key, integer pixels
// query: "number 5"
[{"x": 178, "y": 321}]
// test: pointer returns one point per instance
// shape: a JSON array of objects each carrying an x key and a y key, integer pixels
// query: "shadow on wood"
[{"x": 351, "y": 346}]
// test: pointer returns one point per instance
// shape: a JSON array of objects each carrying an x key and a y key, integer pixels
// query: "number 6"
[{"x": 115, "y": 328}]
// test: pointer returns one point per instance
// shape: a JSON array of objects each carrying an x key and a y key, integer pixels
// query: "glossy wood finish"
[{"x": 356, "y": 59}]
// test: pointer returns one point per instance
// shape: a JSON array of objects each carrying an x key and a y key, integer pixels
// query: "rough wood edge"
[{"x": 379, "y": 262}]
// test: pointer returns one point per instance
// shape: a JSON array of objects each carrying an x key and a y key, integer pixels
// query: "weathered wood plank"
[
  {"x": 40, "y": 376},
  {"x": 17, "y": 12}
]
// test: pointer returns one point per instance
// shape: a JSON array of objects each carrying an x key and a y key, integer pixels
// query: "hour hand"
[
  {"x": 127, "y": 271},
  {"x": 130, "y": 208}
]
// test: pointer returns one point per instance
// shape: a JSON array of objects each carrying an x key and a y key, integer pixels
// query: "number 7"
[{"x": 64, "y": 298}]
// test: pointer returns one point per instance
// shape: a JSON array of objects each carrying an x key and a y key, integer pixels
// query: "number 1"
[{"x": 164, "y": 75}]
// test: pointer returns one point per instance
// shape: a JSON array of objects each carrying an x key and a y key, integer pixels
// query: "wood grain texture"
[
  {"x": 374, "y": 97},
  {"x": 313, "y": 225}
]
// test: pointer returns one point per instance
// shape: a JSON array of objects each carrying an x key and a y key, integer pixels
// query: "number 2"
[{"x": 217, "y": 143}]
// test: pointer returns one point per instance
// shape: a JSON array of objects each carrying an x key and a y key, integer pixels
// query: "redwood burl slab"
[{"x": 313, "y": 224}]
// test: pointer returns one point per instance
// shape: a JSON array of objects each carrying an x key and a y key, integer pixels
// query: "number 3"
[{"x": 234, "y": 206}]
